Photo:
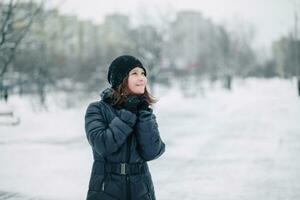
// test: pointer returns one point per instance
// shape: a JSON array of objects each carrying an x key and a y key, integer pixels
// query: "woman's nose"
[{"x": 142, "y": 77}]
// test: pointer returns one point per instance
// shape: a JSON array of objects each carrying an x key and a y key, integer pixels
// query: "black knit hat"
[{"x": 120, "y": 67}]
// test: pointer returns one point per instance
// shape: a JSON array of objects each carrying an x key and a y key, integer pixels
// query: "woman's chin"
[{"x": 139, "y": 91}]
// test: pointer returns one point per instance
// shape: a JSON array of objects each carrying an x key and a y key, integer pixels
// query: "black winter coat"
[{"x": 119, "y": 136}]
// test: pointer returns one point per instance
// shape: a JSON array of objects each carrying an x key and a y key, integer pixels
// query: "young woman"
[{"x": 124, "y": 135}]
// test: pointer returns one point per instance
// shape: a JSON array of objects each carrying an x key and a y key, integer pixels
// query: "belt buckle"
[{"x": 123, "y": 168}]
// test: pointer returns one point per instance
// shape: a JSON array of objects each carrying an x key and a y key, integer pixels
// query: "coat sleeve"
[
  {"x": 149, "y": 142},
  {"x": 106, "y": 137}
]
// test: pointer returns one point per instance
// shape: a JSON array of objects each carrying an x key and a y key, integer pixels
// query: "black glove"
[
  {"x": 143, "y": 105},
  {"x": 131, "y": 103},
  {"x": 127, "y": 116}
]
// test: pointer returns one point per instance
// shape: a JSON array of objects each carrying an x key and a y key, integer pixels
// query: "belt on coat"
[{"x": 122, "y": 168}]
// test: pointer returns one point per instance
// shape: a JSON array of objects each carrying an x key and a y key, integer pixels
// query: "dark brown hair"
[{"x": 122, "y": 91}]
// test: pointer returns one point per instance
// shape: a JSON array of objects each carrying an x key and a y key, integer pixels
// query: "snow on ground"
[{"x": 224, "y": 145}]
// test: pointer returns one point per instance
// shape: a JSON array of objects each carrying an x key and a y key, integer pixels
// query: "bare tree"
[
  {"x": 150, "y": 40},
  {"x": 15, "y": 21}
]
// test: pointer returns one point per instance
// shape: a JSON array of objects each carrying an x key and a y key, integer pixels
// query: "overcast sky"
[{"x": 270, "y": 18}]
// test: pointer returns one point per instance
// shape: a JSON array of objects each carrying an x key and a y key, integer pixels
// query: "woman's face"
[{"x": 137, "y": 81}]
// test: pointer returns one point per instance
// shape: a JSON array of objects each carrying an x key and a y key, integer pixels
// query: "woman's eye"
[{"x": 135, "y": 73}]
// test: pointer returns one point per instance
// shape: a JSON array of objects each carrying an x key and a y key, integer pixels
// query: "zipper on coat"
[
  {"x": 128, "y": 160},
  {"x": 128, "y": 148},
  {"x": 128, "y": 187}
]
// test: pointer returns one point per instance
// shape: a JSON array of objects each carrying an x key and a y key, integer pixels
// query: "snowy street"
[{"x": 243, "y": 144}]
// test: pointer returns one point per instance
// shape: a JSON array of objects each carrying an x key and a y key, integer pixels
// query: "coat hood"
[{"x": 107, "y": 95}]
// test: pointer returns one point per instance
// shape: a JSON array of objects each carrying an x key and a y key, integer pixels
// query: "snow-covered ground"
[{"x": 243, "y": 144}]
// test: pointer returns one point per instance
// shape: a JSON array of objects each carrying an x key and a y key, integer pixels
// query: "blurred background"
[{"x": 226, "y": 74}]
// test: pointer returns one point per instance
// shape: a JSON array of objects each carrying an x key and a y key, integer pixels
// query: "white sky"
[{"x": 270, "y": 18}]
